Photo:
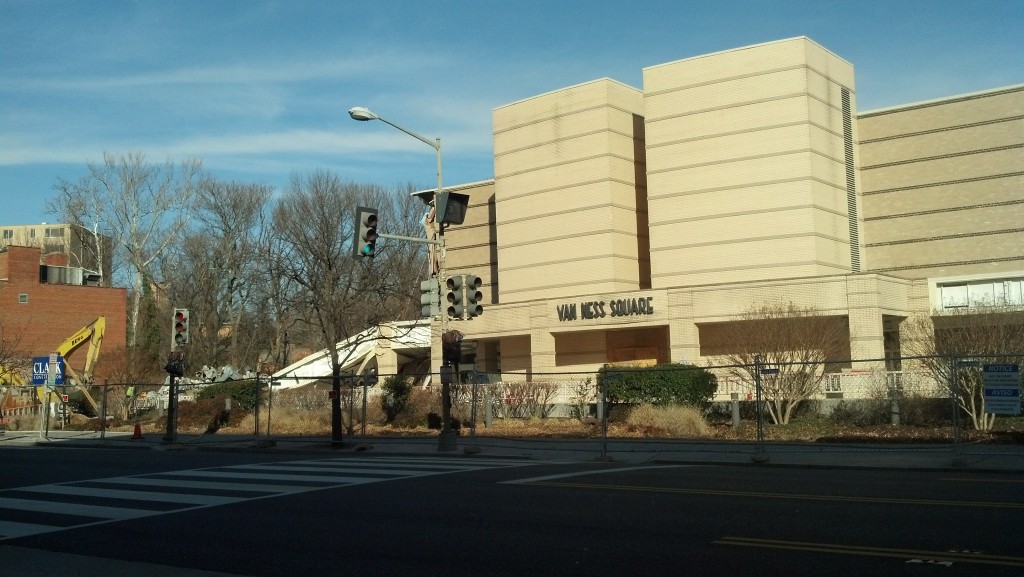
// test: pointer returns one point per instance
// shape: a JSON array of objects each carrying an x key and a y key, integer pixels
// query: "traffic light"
[
  {"x": 455, "y": 296},
  {"x": 180, "y": 327},
  {"x": 430, "y": 298},
  {"x": 473, "y": 296},
  {"x": 365, "y": 243}
]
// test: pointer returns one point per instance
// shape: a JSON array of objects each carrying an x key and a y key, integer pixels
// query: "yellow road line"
[
  {"x": 947, "y": 556},
  {"x": 980, "y": 480},
  {"x": 794, "y": 496}
]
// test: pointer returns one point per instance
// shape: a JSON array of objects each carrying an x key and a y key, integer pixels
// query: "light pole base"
[{"x": 446, "y": 441}]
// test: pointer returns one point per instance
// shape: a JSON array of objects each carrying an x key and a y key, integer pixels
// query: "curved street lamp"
[{"x": 446, "y": 441}]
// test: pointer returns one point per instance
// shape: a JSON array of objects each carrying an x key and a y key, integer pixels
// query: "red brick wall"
[
  {"x": 55, "y": 312},
  {"x": 56, "y": 259}
]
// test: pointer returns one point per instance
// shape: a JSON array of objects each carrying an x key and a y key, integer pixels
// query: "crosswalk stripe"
[
  {"x": 334, "y": 470},
  {"x": 13, "y": 529},
  {"x": 328, "y": 481},
  {"x": 371, "y": 463},
  {"x": 61, "y": 506},
  {"x": 86, "y": 510},
  {"x": 263, "y": 488},
  {"x": 136, "y": 495}
]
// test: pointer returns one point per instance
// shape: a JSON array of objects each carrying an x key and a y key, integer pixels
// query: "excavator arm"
[{"x": 93, "y": 333}]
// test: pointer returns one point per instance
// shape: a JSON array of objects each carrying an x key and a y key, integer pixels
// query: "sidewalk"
[{"x": 926, "y": 457}]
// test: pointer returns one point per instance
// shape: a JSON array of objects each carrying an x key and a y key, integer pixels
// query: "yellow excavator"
[
  {"x": 93, "y": 333},
  {"x": 11, "y": 377}
]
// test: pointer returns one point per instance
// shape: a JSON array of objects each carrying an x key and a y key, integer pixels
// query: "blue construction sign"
[{"x": 40, "y": 368}]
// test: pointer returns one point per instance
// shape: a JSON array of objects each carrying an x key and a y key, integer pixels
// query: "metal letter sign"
[{"x": 1002, "y": 389}]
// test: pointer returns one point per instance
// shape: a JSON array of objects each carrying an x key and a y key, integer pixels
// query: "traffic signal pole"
[
  {"x": 175, "y": 368},
  {"x": 446, "y": 441}
]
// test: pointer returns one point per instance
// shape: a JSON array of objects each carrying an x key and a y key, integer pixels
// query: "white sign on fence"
[{"x": 1002, "y": 389}]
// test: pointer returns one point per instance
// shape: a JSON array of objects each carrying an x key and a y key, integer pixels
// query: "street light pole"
[{"x": 446, "y": 440}]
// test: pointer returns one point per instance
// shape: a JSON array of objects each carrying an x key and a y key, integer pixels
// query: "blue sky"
[{"x": 260, "y": 89}]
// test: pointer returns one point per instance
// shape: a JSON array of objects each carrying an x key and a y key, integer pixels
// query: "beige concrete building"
[
  {"x": 626, "y": 224},
  {"x": 70, "y": 251}
]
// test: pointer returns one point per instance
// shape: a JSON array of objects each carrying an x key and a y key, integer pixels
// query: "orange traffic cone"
[{"x": 137, "y": 436}]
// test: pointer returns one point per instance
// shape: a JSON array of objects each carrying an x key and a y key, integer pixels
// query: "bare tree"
[
  {"x": 276, "y": 295},
  {"x": 14, "y": 359},
  {"x": 216, "y": 268},
  {"x": 343, "y": 296},
  {"x": 798, "y": 342},
  {"x": 987, "y": 334},
  {"x": 81, "y": 205},
  {"x": 142, "y": 207},
  {"x": 128, "y": 371}
]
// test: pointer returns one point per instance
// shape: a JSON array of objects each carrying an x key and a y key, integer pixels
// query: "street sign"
[
  {"x": 1002, "y": 389},
  {"x": 51, "y": 369},
  {"x": 41, "y": 370},
  {"x": 769, "y": 371}
]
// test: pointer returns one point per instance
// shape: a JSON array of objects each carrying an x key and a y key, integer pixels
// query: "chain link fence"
[{"x": 951, "y": 386}]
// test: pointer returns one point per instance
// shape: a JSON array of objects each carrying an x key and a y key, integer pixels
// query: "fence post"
[
  {"x": 256, "y": 407},
  {"x": 488, "y": 408},
  {"x": 473, "y": 447},
  {"x": 894, "y": 405},
  {"x": 760, "y": 456},
  {"x": 602, "y": 406},
  {"x": 953, "y": 396},
  {"x": 351, "y": 405},
  {"x": 103, "y": 412},
  {"x": 362, "y": 423}
]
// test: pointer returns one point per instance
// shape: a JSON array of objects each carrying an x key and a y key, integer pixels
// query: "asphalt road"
[{"x": 324, "y": 514}]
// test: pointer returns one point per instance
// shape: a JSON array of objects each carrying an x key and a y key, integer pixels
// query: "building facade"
[
  {"x": 88, "y": 257},
  {"x": 37, "y": 315},
  {"x": 626, "y": 225}
]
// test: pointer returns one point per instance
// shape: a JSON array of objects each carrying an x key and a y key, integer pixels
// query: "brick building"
[{"x": 44, "y": 310}]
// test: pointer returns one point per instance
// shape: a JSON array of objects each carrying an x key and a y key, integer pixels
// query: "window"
[
  {"x": 954, "y": 296},
  {"x": 54, "y": 232},
  {"x": 996, "y": 292},
  {"x": 23, "y": 298},
  {"x": 8, "y": 234}
]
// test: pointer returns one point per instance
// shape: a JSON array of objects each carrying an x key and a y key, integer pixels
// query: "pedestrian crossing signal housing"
[
  {"x": 181, "y": 327},
  {"x": 365, "y": 242},
  {"x": 451, "y": 207}
]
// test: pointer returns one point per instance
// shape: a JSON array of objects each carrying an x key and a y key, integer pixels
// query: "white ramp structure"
[{"x": 390, "y": 348}]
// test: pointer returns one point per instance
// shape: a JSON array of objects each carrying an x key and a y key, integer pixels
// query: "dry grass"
[
  {"x": 669, "y": 420},
  {"x": 310, "y": 415}
]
